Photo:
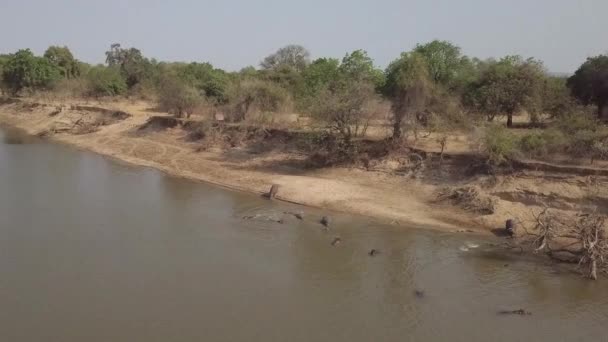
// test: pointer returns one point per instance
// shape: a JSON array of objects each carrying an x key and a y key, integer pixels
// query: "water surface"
[{"x": 94, "y": 250}]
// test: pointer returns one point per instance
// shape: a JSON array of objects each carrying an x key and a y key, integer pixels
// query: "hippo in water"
[{"x": 325, "y": 221}]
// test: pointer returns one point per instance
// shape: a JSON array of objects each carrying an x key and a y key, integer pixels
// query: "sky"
[{"x": 233, "y": 34}]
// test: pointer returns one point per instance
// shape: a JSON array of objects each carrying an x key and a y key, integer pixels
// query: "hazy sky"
[{"x": 235, "y": 33}]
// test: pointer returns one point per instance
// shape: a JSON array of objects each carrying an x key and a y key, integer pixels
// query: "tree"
[
  {"x": 447, "y": 66},
  {"x": 212, "y": 82},
  {"x": 506, "y": 87},
  {"x": 177, "y": 97},
  {"x": 132, "y": 64},
  {"x": 556, "y": 98},
  {"x": 63, "y": 59},
  {"x": 249, "y": 95},
  {"x": 358, "y": 66},
  {"x": 315, "y": 78},
  {"x": 589, "y": 84},
  {"x": 248, "y": 72},
  {"x": 24, "y": 70},
  {"x": 343, "y": 106},
  {"x": 3, "y": 60},
  {"x": 106, "y": 81},
  {"x": 409, "y": 86},
  {"x": 295, "y": 57}
]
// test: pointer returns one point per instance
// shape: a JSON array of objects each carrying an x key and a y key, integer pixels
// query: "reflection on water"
[
  {"x": 92, "y": 250},
  {"x": 12, "y": 136}
]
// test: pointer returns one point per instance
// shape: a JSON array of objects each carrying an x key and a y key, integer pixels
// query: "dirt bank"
[{"x": 392, "y": 188}]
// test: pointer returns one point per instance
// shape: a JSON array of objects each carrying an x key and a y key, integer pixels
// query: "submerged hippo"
[
  {"x": 325, "y": 221},
  {"x": 373, "y": 252}
]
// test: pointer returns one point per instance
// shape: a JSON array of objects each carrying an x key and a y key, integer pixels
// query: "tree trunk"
[
  {"x": 397, "y": 129},
  {"x": 510, "y": 120}
]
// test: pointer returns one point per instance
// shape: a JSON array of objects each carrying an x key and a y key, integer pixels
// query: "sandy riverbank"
[{"x": 389, "y": 196}]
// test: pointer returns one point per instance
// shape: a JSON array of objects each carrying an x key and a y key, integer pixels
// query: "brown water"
[{"x": 93, "y": 250}]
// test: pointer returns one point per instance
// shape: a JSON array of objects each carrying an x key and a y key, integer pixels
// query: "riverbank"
[{"x": 389, "y": 191}]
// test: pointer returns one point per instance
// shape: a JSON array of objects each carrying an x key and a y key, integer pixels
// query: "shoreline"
[
  {"x": 334, "y": 189},
  {"x": 393, "y": 191}
]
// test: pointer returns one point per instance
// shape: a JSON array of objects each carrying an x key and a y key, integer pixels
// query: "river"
[{"x": 95, "y": 250}]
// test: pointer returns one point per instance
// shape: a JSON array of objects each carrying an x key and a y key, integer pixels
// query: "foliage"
[
  {"x": 177, "y": 96},
  {"x": 285, "y": 77},
  {"x": 556, "y": 99},
  {"x": 506, "y": 87},
  {"x": 295, "y": 57},
  {"x": 498, "y": 144},
  {"x": 133, "y": 66},
  {"x": 106, "y": 81},
  {"x": 24, "y": 70},
  {"x": 69, "y": 88},
  {"x": 204, "y": 77},
  {"x": 359, "y": 67},
  {"x": 574, "y": 122},
  {"x": 409, "y": 86},
  {"x": 3, "y": 60},
  {"x": 246, "y": 96},
  {"x": 446, "y": 64},
  {"x": 589, "y": 84},
  {"x": 63, "y": 59},
  {"x": 344, "y": 108},
  {"x": 320, "y": 73}
]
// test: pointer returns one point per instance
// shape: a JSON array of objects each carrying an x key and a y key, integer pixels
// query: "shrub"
[
  {"x": 177, "y": 97},
  {"x": 345, "y": 108},
  {"x": 72, "y": 88},
  {"x": 23, "y": 70},
  {"x": 255, "y": 95},
  {"x": 533, "y": 144},
  {"x": 498, "y": 144},
  {"x": 106, "y": 81},
  {"x": 574, "y": 122}
]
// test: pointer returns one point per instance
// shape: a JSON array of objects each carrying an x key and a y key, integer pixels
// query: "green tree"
[
  {"x": 24, "y": 70},
  {"x": 447, "y": 66},
  {"x": 177, "y": 96},
  {"x": 248, "y": 72},
  {"x": 3, "y": 60},
  {"x": 358, "y": 66},
  {"x": 589, "y": 84},
  {"x": 409, "y": 86},
  {"x": 556, "y": 98},
  {"x": 63, "y": 59},
  {"x": 132, "y": 64},
  {"x": 203, "y": 76},
  {"x": 319, "y": 74},
  {"x": 295, "y": 57},
  {"x": 506, "y": 87},
  {"x": 106, "y": 81}
]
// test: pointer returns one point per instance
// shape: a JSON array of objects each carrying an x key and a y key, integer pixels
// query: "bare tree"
[{"x": 346, "y": 108}]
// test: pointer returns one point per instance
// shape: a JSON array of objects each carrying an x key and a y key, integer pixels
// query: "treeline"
[{"x": 433, "y": 84}]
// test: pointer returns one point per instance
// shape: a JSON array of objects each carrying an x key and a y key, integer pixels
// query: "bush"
[
  {"x": 533, "y": 144},
  {"x": 106, "y": 81},
  {"x": 255, "y": 95},
  {"x": 177, "y": 97},
  {"x": 23, "y": 70},
  {"x": 574, "y": 122},
  {"x": 72, "y": 88},
  {"x": 499, "y": 145}
]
